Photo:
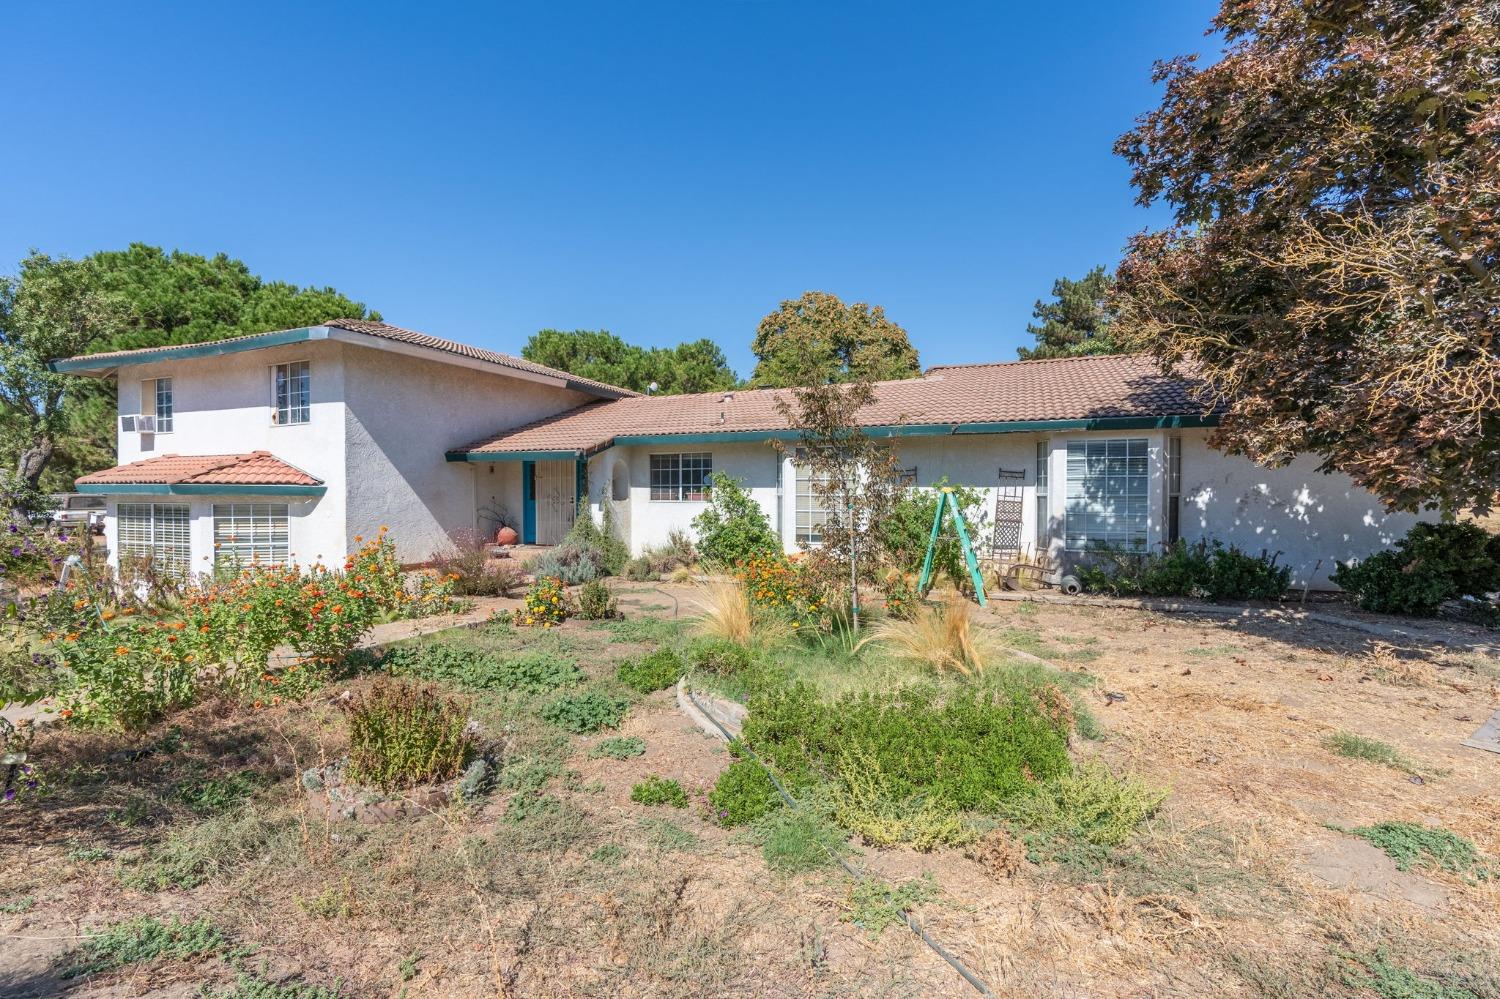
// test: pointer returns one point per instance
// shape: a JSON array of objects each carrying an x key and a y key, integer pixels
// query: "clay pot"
[{"x": 506, "y": 536}]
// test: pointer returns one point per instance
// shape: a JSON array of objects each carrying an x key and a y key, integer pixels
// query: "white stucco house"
[{"x": 286, "y": 445}]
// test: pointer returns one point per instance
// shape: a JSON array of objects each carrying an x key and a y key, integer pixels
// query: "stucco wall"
[
  {"x": 1314, "y": 519},
  {"x": 403, "y": 414}
]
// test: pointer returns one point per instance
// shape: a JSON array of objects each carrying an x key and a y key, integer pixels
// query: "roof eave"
[{"x": 198, "y": 489}]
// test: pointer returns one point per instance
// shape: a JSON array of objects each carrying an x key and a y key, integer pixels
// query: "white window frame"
[
  {"x": 251, "y": 533},
  {"x": 160, "y": 394},
  {"x": 1043, "y": 500},
  {"x": 291, "y": 368},
  {"x": 161, "y": 532},
  {"x": 810, "y": 507},
  {"x": 1107, "y": 494},
  {"x": 668, "y": 474}
]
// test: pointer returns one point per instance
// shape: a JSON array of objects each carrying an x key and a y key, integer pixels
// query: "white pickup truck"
[{"x": 77, "y": 510}]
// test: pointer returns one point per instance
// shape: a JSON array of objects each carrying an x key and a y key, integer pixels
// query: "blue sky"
[{"x": 665, "y": 171}]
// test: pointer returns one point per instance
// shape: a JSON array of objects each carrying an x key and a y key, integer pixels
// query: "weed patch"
[
  {"x": 656, "y": 790},
  {"x": 873, "y": 905},
  {"x": 535, "y": 672},
  {"x": 252, "y": 986},
  {"x": 585, "y": 712},
  {"x": 213, "y": 795},
  {"x": 667, "y": 836},
  {"x": 143, "y": 939},
  {"x": 794, "y": 840},
  {"x": 1090, "y": 804},
  {"x": 1412, "y": 845},
  {"x": 1378, "y": 973},
  {"x": 661, "y": 668},
  {"x": 1357, "y": 747},
  {"x": 195, "y": 853},
  {"x": 619, "y": 747}
]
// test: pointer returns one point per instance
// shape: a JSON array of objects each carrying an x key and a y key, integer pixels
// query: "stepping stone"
[{"x": 1488, "y": 736}]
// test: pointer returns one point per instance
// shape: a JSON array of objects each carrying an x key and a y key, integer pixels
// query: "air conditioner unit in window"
[{"x": 138, "y": 424}]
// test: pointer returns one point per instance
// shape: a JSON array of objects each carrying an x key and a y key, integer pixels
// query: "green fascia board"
[
  {"x": 196, "y": 489},
  {"x": 512, "y": 455},
  {"x": 191, "y": 350},
  {"x": 1097, "y": 423}
]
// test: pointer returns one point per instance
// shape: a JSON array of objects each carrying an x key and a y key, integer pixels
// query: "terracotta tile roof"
[
  {"x": 258, "y": 468},
  {"x": 1077, "y": 388},
  {"x": 394, "y": 333},
  {"x": 400, "y": 335}
]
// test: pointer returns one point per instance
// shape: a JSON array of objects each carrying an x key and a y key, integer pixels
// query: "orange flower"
[
  {"x": 121, "y": 650},
  {"x": 72, "y": 638},
  {"x": 66, "y": 712}
]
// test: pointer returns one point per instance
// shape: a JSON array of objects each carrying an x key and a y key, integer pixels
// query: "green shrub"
[
  {"x": 970, "y": 752},
  {"x": 1412, "y": 845},
  {"x": 1206, "y": 570},
  {"x": 638, "y": 570},
  {"x": 1090, "y": 803},
  {"x": 903, "y": 765},
  {"x": 596, "y": 603},
  {"x": 534, "y": 672},
  {"x": 402, "y": 735},
  {"x": 742, "y": 794},
  {"x": 661, "y": 668},
  {"x": 904, "y": 532},
  {"x": 1433, "y": 563},
  {"x": 585, "y": 712},
  {"x": 587, "y": 552},
  {"x": 143, "y": 939},
  {"x": 656, "y": 790},
  {"x": 733, "y": 528},
  {"x": 718, "y": 655},
  {"x": 619, "y": 747},
  {"x": 248, "y": 986}
]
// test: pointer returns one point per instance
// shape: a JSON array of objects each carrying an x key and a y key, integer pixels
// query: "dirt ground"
[{"x": 1237, "y": 887}]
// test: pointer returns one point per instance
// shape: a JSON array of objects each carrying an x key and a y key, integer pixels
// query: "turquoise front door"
[{"x": 528, "y": 502}]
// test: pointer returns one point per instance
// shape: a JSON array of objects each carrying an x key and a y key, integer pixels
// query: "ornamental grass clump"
[
  {"x": 944, "y": 638},
  {"x": 403, "y": 734}
]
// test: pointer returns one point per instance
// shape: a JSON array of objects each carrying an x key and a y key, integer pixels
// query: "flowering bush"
[
  {"x": 778, "y": 585},
  {"x": 127, "y": 666},
  {"x": 29, "y": 555},
  {"x": 547, "y": 604},
  {"x": 900, "y": 591}
]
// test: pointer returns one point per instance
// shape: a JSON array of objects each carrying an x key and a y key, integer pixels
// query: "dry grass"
[
  {"x": 944, "y": 638},
  {"x": 727, "y": 614}
]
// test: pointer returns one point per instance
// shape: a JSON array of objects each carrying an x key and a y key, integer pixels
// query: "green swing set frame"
[{"x": 946, "y": 501}]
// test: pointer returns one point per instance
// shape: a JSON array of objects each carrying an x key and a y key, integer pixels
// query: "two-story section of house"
[{"x": 284, "y": 446}]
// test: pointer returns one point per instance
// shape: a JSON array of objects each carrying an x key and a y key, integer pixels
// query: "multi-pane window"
[
  {"x": 1107, "y": 494},
  {"x": 246, "y": 533},
  {"x": 906, "y": 478},
  {"x": 677, "y": 477},
  {"x": 163, "y": 405},
  {"x": 291, "y": 393},
  {"x": 812, "y": 505},
  {"x": 158, "y": 531},
  {"x": 1043, "y": 511},
  {"x": 1174, "y": 489}
]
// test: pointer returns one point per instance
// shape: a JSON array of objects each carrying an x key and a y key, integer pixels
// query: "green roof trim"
[
  {"x": 190, "y": 350},
  {"x": 895, "y": 430},
  {"x": 196, "y": 489}
]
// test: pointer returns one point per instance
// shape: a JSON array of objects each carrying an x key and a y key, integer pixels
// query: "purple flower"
[{"x": 10, "y": 794}]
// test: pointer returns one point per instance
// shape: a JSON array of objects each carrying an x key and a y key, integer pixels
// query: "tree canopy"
[
  {"x": 50, "y": 309},
  {"x": 155, "y": 298},
  {"x": 1331, "y": 267},
  {"x": 698, "y": 366},
  {"x": 1075, "y": 322},
  {"x": 817, "y": 339}
]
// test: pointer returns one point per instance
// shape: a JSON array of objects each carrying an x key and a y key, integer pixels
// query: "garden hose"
[{"x": 849, "y": 868}]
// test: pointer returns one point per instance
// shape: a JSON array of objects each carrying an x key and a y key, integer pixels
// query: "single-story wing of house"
[{"x": 285, "y": 446}]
